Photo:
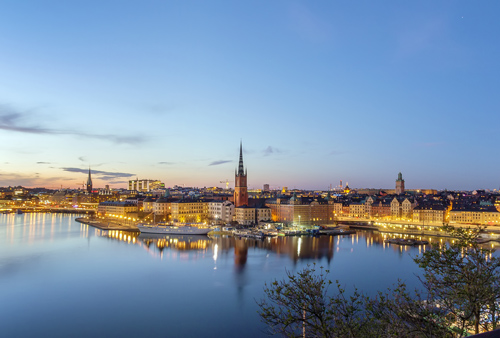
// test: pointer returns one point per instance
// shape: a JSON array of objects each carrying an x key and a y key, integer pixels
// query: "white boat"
[{"x": 173, "y": 229}]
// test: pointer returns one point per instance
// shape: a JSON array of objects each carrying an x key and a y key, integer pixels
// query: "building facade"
[
  {"x": 188, "y": 211},
  {"x": 145, "y": 185},
  {"x": 221, "y": 211},
  {"x": 113, "y": 208}
]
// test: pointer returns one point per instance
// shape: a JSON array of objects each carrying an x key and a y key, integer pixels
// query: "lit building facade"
[
  {"x": 189, "y": 211},
  {"x": 116, "y": 208},
  {"x": 429, "y": 214},
  {"x": 221, "y": 211},
  {"x": 145, "y": 185},
  {"x": 483, "y": 217},
  {"x": 294, "y": 211}
]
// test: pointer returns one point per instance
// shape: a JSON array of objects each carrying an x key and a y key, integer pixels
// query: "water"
[{"x": 60, "y": 278}]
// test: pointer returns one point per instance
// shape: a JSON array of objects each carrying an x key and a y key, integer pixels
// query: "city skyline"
[{"x": 318, "y": 92}]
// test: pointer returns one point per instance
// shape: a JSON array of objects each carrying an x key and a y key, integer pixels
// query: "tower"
[
  {"x": 89, "y": 183},
  {"x": 400, "y": 185},
  {"x": 240, "y": 183}
]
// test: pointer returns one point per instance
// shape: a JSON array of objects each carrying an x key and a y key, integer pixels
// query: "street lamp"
[{"x": 299, "y": 220}]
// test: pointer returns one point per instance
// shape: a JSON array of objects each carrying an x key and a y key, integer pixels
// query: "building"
[
  {"x": 429, "y": 214},
  {"x": 400, "y": 185},
  {"x": 240, "y": 186},
  {"x": 145, "y": 185},
  {"x": 148, "y": 204},
  {"x": 114, "y": 208},
  {"x": 163, "y": 208},
  {"x": 189, "y": 211},
  {"x": 483, "y": 216},
  {"x": 246, "y": 215},
  {"x": 266, "y": 188},
  {"x": 304, "y": 210},
  {"x": 357, "y": 210},
  {"x": 221, "y": 211},
  {"x": 263, "y": 214},
  {"x": 402, "y": 207}
]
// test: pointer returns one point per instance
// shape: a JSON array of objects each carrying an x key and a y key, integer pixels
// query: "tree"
[
  {"x": 299, "y": 306},
  {"x": 461, "y": 292},
  {"x": 397, "y": 313},
  {"x": 463, "y": 278}
]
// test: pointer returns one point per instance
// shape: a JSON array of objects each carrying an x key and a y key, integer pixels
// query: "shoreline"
[
  {"x": 109, "y": 226},
  {"x": 424, "y": 233}
]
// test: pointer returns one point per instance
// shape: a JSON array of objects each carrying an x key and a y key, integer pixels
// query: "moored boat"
[
  {"x": 402, "y": 241},
  {"x": 173, "y": 229}
]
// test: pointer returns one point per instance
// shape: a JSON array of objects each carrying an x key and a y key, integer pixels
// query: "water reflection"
[
  {"x": 45, "y": 261},
  {"x": 29, "y": 228},
  {"x": 297, "y": 248}
]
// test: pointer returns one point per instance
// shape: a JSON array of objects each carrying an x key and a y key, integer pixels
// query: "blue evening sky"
[{"x": 318, "y": 91}]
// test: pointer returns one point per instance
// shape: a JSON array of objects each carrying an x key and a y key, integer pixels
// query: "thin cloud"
[
  {"x": 271, "y": 150},
  {"x": 31, "y": 180},
  {"x": 158, "y": 108},
  {"x": 219, "y": 162},
  {"x": 43, "y": 162},
  {"x": 166, "y": 163},
  {"x": 82, "y": 158},
  {"x": 99, "y": 173},
  {"x": 14, "y": 120}
]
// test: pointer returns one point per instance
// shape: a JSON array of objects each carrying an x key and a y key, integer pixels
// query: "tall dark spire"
[
  {"x": 240, "y": 183},
  {"x": 89, "y": 183},
  {"x": 240, "y": 166}
]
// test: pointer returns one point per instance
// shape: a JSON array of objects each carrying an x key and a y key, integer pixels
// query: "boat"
[
  {"x": 249, "y": 234},
  {"x": 19, "y": 212},
  {"x": 402, "y": 241},
  {"x": 335, "y": 232},
  {"x": 173, "y": 229}
]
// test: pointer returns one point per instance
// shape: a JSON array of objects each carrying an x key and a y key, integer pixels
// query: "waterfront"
[{"x": 61, "y": 278}]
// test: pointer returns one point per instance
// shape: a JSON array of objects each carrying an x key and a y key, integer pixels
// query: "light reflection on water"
[{"x": 68, "y": 279}]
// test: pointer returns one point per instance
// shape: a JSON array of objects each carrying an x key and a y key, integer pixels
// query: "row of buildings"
[
  {"x": 305, "y": 208},
  {"x": 149, "y": 201}
]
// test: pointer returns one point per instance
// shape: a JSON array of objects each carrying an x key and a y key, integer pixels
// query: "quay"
[
  {"x": 491, "y": 232},
  {"x": 109, "y": 225}
]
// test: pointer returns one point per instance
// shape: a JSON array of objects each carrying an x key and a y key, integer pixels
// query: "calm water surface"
[{"x": 60, "y": 278}]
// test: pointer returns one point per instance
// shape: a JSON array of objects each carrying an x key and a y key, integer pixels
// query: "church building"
[{"x": 240, "y": 183}]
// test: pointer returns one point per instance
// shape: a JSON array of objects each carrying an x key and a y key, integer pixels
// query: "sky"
[{"x": 317, "y": 91}]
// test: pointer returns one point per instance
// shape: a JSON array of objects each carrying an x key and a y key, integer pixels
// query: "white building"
[
  {"x": 145, "y": 185},
  {"x": 221, "y": 211},
  {"x": 250, "y": 216}
]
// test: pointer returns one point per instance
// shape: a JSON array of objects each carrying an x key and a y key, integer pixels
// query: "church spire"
[
  {"x": 89, "y": 183},
  {"x": 240, "y": 167},
  {"x": 240, "y": 183}
]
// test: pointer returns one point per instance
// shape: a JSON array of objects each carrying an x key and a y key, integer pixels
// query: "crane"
[{"x": 227, "y": 183}]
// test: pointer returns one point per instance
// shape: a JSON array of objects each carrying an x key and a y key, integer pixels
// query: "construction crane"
[{"x": 227, "y": 183}]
